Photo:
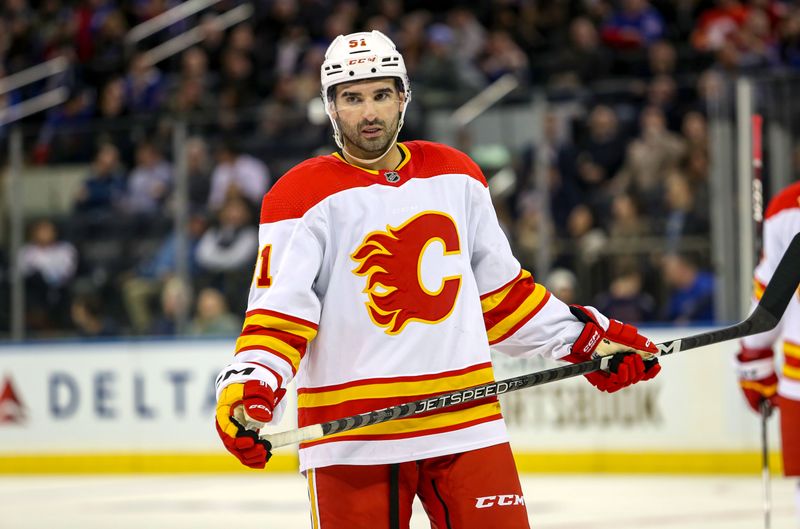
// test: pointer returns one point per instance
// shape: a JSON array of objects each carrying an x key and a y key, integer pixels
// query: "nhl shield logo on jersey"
[{"x": 392, "y": 261}]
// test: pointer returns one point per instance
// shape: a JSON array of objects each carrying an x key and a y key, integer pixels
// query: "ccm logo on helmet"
[
  {"x": 362, "y": 60},
  {"x": 503, "y": 500}
]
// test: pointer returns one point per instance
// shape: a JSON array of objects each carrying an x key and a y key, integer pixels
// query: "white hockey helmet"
[{"x": 358, "y": 56}]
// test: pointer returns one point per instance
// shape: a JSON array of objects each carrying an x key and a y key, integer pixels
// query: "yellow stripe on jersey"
[
  {"x": 270, "y": 343},
  {"x": 495, "y": 299},
  {"x": 287, "y": 337},
  {"x": 791, "y": 372},
  {"x": 791, "y": 350},
  {"x": 525, "y": 308},
  {"x": 758, "y": 289},
  {"x": 274, "y": 322},
  {"x": 312, "y": 496},
  {"x": 416, "y": 424},
  {"x": 394, "y": 389}
]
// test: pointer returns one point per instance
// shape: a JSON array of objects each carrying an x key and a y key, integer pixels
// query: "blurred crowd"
[{"x": 620, "y": 179}]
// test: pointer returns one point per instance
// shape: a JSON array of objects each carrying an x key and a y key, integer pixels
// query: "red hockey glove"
[
  {"x": 620, "y": 340},
  {"x": 242, "y": 409},
  {"x": 756, "y": 371}
]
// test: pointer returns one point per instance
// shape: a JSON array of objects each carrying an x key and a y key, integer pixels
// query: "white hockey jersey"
[
  {"x": 781, "y": 224},
  {"x": 376, "y": 288}
]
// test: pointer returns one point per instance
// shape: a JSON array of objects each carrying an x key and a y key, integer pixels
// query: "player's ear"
[{"x": 332, "y": 107}]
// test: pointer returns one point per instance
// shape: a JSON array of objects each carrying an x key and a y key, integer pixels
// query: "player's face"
[{"x": 368, "y": 113}]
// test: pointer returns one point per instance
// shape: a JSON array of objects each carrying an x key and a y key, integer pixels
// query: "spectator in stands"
[
  {"x": 226, "y": 251},
  {"x": 563, "y": 284},
  {"x": 662, "y": 92},
  {"x": 194, "y": 67},
  {"x": 625, "y": 299},
  {"x": 90, "y": 318},
  {"x": 627, "y": 221},
  {"x": 53, "y": 21},
  {"x": 191, "y": 98},
  {"x": 695, "y": 130},
  {"x": 237, "y": 77},
  {"x": 758, "y": 47},
  {"x": 588, "y": 237},
  {"x": 279, "y": 117},
  {"x": 213, "y": 318},
  {"x": 789, "y": 43},
  {"x": 649, "y": 156},
  {"x": 48, "y": 265},
  {"x": 692, "y": 290},
  {"x": 108, "y": 60},
  {"x": 149, "y": 183},
  {"x": 636, "y": 24},
  {"x": 583, "y": 61},
  {"x": 444, "y": 78},
  {"x": 103, "y": 191},
  {"x": 144, "y": 85},
  {"x": 601, "y": 153},
  {"x": 662, "y": 59},
  {"x": 176, "y": 301},
  {"x": 65, "y": 137},
  {"x": 198, "y": 169},
  {"x": 110, "y": 123},
  {"x": 469, "y": 36},
  {"x": 683, "y": 216},
  {"x": 237, "y": 175},
  {"x": 561, "y": 176},
  {"x": 143, "y": 285},
  {"x": 503, "y": 56},
  {"x": 717, "y": 23}
]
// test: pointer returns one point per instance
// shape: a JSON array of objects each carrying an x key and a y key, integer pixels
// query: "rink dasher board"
[{"x": 148, "y": 405}]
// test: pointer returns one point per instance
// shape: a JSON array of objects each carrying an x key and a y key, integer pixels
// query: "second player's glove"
[
  {"x": 634, "y": 355},
  {"x": 242, "y": 410},
  {"x": 755, "y": 369}
]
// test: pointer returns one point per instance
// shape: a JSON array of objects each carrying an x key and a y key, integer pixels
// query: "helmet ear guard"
[{"x": 360, "y": 56}]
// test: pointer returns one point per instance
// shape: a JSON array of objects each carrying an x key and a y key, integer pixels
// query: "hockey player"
[
  {"x": 755, "y": 361},
  {"x": 384, "y": 277}
]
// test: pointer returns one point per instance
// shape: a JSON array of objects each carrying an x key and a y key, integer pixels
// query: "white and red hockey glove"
[
  {"x": 633, "y": 354},
  {"x": 756, "y": 371},
  {"x": 243, "y": 407}
]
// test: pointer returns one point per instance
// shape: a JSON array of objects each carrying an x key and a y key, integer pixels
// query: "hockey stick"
[
  {"x": 766, "y": 410},
  {"x": 766, "y": 315}
]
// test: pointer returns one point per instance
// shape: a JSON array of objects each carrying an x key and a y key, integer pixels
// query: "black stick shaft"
[{"x": 766, "y": 316}]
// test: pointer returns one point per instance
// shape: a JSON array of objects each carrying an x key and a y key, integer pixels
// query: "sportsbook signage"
[{"x": 158, "y": 396}]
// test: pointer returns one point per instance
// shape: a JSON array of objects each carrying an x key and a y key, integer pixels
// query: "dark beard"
[{"x": 378, "y": 145}]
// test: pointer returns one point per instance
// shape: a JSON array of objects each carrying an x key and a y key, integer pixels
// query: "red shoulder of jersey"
[
  {"x": 788, "y": 198},
  {"x": 304, "y": 186},
  {"x": 310, "y": 182},
  {"x": 431, "y": 159}
]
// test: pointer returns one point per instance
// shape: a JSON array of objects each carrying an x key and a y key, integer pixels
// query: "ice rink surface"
[{"x": 279, "y": 502}]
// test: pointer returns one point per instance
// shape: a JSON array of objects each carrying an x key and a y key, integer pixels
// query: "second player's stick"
[
  {"x": 766, "y": 410},
  {"x": 766, "y": 316}
]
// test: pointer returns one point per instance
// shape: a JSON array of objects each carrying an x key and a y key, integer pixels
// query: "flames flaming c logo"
[{"x": 391, "y": 261}]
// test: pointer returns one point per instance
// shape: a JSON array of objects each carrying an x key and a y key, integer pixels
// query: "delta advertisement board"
[{"x": 140, "y": 397}]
